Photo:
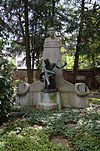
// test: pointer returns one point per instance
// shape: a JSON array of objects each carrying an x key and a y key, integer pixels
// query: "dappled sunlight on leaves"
[{"x": 81, "y": 127}]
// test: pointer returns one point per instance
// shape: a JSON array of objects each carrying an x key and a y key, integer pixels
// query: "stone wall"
[{"x": 86, "y": 76}]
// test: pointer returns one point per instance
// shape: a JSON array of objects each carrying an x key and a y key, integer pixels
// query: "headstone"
[{"x": 65, "y": 93}]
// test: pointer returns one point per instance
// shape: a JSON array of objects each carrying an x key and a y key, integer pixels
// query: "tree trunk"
[
  {"x": 79, "y": 38},
  {"x": 53, "y": 13},
  {"x": 94, "y": 73},
  {"x": 33, "y": 45},
  {"x": 27, "y": 44}
]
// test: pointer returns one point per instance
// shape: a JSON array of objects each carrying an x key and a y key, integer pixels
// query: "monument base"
[
  {"x": 48, "y": 106},
  {"x": 49, "y": 101},
  {"x": 49, "y": 90},
  {"x": 81, "y": 102}
]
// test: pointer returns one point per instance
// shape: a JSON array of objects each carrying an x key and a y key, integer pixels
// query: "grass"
[{"x": 34, "y": 130}]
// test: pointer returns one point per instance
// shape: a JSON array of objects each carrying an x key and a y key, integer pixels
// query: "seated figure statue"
[{"x": 48, "y": 75}]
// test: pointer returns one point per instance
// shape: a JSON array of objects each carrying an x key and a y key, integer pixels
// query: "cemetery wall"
[{"x": 86, "y": 76}]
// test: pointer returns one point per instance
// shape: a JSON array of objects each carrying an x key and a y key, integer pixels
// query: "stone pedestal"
[
  {"x": 49, "y": 101},
  {"x": 80, "y": 102}
]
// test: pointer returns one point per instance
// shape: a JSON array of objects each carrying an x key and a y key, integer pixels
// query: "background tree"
[
  {"x": 71, "y": 19},
  {"x": 80, "y": 26},
  {"x": 32, "y": 28},
  {"x": 27, "y": 44},
  {"x": 79, "y": 39},
  {"x": 91, "y": 36}
]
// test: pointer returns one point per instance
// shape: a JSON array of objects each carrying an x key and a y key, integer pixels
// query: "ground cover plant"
[{"x": 35, "y": 130}]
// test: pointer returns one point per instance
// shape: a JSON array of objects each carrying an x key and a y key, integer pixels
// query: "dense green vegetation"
[
  {"x": 34, "y": 130},
  {"x": 24, "y": 26},
  {"x": 83, "y": 63},
  {"x": 6, "y": 87}
]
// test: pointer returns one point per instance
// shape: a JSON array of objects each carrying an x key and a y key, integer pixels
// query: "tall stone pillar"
[{"x": 53, "y": 53}]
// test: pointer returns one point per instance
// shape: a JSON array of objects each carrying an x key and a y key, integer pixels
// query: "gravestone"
[
  {"x": 66, "y": 94},
  {"x": 53, "y": 53}
]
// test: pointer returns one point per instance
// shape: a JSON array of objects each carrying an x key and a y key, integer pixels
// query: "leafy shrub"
[
  {"x": 94, "y": 100},
  {"x": 6, "y": 88}
]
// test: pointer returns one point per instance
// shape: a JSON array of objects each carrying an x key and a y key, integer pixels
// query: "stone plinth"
[
  {"x": 80, "y": 102},
  {"x": 49, "y": 101},
  {"x": 67, "y": 99},
  {"x": 48, "y": 106}
]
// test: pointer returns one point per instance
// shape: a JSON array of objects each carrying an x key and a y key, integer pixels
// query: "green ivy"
[{"x": 81, "y": 127}]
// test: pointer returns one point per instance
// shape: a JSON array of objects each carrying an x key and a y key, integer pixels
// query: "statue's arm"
[{"x": 48, "y": 71}]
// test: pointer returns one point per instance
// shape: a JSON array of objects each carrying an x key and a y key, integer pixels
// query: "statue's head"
[
  {"x": 46, "y": 61},
  {"x": 51, "y": 32}
]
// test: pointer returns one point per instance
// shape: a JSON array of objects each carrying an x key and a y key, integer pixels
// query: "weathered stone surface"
[
  {"x": 22, "y": 100},
  {"x": 61, "y": 141},
  {"x": 33, "y": 98},
  {"x": 36, "y": 86},
  {"x": 81, "y": 89},
  {"x": 52, "y": 52},
  {"x": 62, "y": 85},
  {"x": 22, "y": 97},
  {"x": 23, "y": 88},
  {"x": 80, "y": 102},
  {"x": 81, "y": 95},
  {"x": 67, "y": 95},
  {"x": 49, "y": 101},
  {"x": 52, "y": 43},
  {"x": 48, "y": 107},
  {"x": 67, "y": 99}
]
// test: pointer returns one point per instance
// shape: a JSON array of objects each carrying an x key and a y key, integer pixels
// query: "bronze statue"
[{"x": 48, "y": 75}]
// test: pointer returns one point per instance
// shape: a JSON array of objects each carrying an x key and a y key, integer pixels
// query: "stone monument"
[
  {"x": 53, "y": 53},
  {"x": 53, "y": 92}
]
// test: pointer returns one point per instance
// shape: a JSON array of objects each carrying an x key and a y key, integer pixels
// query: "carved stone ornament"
[
  {"x": 81, "y": 89},
  {"x": 23, "y": 88}
]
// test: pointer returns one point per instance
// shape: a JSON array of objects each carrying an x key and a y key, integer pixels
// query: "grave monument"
[{"x": 52, "y": 91}]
